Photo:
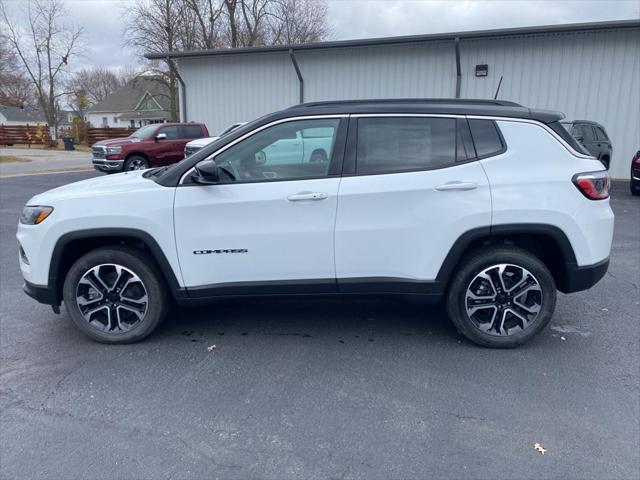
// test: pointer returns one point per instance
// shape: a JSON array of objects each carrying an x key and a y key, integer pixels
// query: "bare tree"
[
  {"x": 207, "y": 16},
  {"x": 165, "y": 26},
  {"x": 298, "y": 21},
  {"x": 160, "y": 26},
  {"x": 255, "y": 16},
  {"x": 15, "y": 88},
  {"x": 96, "y": 82},
  {"x": 44, "y": 49}
]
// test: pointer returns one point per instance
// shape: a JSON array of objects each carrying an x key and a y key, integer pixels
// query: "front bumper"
[
  {"x": 42, "y": 293},
  {"x": 104, "y": 165},
  {"x": 583, "y": 278}
]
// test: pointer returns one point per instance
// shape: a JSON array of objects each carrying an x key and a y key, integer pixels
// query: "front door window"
[{"x": 293, "y": 150}]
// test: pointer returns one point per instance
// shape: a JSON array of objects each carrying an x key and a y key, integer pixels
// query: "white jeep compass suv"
[{"x": 487, "y": 204}]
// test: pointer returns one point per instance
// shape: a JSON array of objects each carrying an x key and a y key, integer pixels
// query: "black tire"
[
  {"x": 136, "y": 262},
  {"x": 485, "y": 258},
  {"x": 635, "y": 189},
  {"x": 135, "y": 162},
  {"x": 605, "y": 161},
  {"x": 318, "y": 156}
]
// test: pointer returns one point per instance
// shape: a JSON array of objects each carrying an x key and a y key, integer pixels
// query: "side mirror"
[
  {"x": 580, "y": 139},
  {"x": 206, "y": 172},
  {"x": 161, "y": 136}
]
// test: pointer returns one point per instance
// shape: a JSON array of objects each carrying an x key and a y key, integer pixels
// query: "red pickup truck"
[{"x": 150, "y": 146}]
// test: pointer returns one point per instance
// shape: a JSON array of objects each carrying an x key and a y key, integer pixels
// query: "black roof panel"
[{"x": 451, "y": 106}]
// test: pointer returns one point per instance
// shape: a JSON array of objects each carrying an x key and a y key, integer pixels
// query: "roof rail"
[{"x": 445, "y": 101}]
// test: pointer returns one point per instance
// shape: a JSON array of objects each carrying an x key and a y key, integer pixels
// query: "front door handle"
[
  {"x": 301, "y": 196},
  {"x": 457, "y": 186}
]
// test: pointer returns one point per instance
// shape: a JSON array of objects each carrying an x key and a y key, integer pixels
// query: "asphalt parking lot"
[{"x": 323, "y": 387}]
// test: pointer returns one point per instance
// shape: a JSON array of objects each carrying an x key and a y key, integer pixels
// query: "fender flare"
[
  {"x": 465, "y": 240},
  {"x": 102, "y": 233}
]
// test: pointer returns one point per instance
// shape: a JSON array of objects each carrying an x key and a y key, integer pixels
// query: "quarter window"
[
  {"x": 485, "y": 137},
  {"x": 293, "y": 150},
  {"x": 388, "y": 145}
]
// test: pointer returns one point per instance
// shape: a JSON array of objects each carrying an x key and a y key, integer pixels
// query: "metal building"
[{"x": 588, "y": 71}]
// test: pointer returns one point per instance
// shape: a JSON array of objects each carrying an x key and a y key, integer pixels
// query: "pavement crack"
[{"x": 465, "y": 417}]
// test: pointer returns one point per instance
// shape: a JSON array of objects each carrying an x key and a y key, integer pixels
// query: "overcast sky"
[{"x": 102, "y": 19}]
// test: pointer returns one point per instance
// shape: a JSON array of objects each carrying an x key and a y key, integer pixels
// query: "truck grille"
[{"x": 98, "y": 152}]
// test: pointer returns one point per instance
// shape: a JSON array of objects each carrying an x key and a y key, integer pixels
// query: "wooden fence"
[
  {"x": 24, "y": 134},
  {"x": 96, "y": 134}
]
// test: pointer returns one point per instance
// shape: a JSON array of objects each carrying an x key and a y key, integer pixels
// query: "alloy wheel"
[
  {"x": 112, "y": 298},
  {"x": 137, "y": 164},
  {"x": 503, "y": 299}
]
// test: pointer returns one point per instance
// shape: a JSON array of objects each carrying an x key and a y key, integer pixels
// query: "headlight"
[
  {"x": 33, "y": 215},
  {"x": 112, "y": 150}
]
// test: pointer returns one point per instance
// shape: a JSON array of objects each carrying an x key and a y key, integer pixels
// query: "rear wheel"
[
  {"x": 501, "y": 297},
  {"x": 136, "y": 162},
  {"x": 115, "y": 295},
  {"x": 605, "y": 161}
]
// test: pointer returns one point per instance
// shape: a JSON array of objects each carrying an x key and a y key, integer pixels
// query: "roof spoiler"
[{"x": 546, "y": 116}]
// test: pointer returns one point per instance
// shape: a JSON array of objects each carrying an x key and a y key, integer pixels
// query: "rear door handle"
[
  {"x": 301, "y": 196},
  {"x": 457, "y": 186}
]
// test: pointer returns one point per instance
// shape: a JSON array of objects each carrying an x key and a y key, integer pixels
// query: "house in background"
[
  {"x": 141, "y": 101},
  {"x": 12, "y": 116},
  {"x": 21, "y": 116}
]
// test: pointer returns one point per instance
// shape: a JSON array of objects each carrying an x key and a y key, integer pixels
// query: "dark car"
[
  {"x": 593, "y": 137},
  {"x": 635, "y": 174},
  {"x": 150, "y": 146}
]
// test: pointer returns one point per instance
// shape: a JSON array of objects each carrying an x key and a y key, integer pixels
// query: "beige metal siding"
[
  {"x": 586, "y": 75},
  {"x": 225, "y": 90},
  {"x": 409, "y": 71}
]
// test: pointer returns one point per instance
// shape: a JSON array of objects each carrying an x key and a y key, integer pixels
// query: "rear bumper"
[
  {"x": 108, "y": 165},
  {"x": 583, "y": 278},
  {"x": 42, "y": 293}
]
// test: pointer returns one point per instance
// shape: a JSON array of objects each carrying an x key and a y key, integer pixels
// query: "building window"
[
  {"x": 105, "y": 122},
  {"x": 115, "y": 119}
]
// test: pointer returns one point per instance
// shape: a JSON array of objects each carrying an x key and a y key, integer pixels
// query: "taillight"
[{"x": 593, "y": 185}]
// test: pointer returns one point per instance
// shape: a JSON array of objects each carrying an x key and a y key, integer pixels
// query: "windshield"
[{"x": 144, "y": 132}]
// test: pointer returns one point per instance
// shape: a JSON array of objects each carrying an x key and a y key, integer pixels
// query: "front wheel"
[
  {"x": 115, "y": 295},
  {"x": 136, "y": 162},
  {"x": 501, "y": 297}
]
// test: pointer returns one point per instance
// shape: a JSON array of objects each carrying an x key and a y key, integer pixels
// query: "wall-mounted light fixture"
[{"x": 482, "y": 70}]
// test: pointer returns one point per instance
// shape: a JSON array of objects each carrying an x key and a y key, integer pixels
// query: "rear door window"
[
  {"x": 192, "y": 131},
  {"x": 486, "y": 138},
  {"x": 172, "y": 132},
  {"x": 396, "y": 144}
]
